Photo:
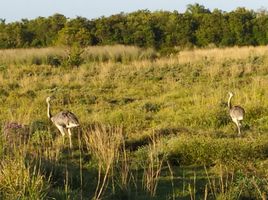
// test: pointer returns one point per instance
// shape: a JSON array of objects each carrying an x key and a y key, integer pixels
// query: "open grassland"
[{"x": 151, "y": 127}]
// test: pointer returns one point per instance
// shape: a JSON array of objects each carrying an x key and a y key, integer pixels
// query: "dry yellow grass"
[
  {"x": 218, "y": 54},
  {"x": 18, "y": 55}
]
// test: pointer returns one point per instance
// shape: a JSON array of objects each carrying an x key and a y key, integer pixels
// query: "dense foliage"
[{"x": 198, "y": 26}]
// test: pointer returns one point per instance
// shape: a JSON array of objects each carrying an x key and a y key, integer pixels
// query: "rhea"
[
  {"x": 236, "y": 112},
  {"x": 64, "y": 121}
]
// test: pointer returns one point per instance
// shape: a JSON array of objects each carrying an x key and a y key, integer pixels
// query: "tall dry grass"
[
  {"x": 21, "y": 181},
  {"x": 104, "y": 143},
  {"x": 153, "y": 167},
  {"x": 26, "y": 56},
  {"x": 221, "y": 54},
  {"x": 116, "y": 53}
]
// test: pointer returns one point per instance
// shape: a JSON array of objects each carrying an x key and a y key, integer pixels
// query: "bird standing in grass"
[
  {"x": 64, "y": 121},
  {"x": 236, "y": 112}
]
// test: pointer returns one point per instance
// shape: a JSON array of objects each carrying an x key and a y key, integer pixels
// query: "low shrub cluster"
[{"x": 187, "y": 150}]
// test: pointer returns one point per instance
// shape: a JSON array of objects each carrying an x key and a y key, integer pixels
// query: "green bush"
[
  {"x": 74, "y": 58},
  {"x": 3, "y": 92},
  {"x": 151, "y": 107},
  {"x": 38, "y": 125},
  {"x": 53, "y": 60},
  {"x": 30, "y": 94},
  {"x": 205, "y": 150},
  {"x": 36, "y": 60},
  {"x": 41, "y": 138}
]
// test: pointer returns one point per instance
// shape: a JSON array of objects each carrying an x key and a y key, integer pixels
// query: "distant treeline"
[{"x": 197, "y": 26}]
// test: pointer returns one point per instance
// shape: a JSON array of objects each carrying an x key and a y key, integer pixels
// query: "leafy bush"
[
  {"x": 150, "y": 107},
  {"x": 168, "y": 51},
  {"x": 13, "y": 86},
  {"x": 3, "y": 92},
  {"x": 41, "y": 138},
  {"x": 205, "y": 150},
  {"x": 53, "y": 60},
  {"x": 36, "y": 60},
  {"x": 74, "y": 58},
  {"x": 15, "y": 133},
  {"x": 38, "y": 125},
  {"x": 30, "y": 94}
]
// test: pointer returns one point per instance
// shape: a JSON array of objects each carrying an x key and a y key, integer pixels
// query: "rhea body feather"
[
  {"x": 236, "y": 112},
  {"x": 64, "y": 120}
]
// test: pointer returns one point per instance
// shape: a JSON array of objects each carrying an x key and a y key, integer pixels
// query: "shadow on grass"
[
  {"x": 69, "y": 177},
  {"x": 133, "y": 145},
  {"x": 185, "y": 183}
]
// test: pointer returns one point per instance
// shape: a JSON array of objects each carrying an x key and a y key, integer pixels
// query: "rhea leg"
[
  {"x": 62, "y": 131},
  {"x": 238, "y": 126},
  {"x": 70, "y": 138},
  {"x": 239, "y": 133}
]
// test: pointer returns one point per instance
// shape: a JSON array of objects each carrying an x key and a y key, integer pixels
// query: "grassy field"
[{"x": 151, "y": 127}]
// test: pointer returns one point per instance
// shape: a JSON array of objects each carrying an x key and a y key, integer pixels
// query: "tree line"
[{"x": 197, "y": 26}]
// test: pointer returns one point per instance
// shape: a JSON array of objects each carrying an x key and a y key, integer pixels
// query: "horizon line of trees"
[{"x": 197, "y": 26}]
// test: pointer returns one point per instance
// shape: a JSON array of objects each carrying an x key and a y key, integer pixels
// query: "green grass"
[{"x": 176, "y": 134}]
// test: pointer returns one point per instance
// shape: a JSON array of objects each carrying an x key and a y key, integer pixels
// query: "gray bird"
[
  {"x": 64, "y": 120},
  {"x": 236, "y": 112}
]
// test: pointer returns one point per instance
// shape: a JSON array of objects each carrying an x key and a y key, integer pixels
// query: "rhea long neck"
[
  {"x": 229, "y": 102},
  {"x": 48, "y": 110}
]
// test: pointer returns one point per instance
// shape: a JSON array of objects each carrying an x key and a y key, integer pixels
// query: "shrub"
[
  {"x": 203, "y": 150},
  {"x": 151, "y": 107},
  {"x": 15, "y": 133},
  {"x": 38, "y": 125},
  {"x": 168, "y": 51},
  {"x": 3, "y": 92},
  {"x": 13, "y": 86},
  {"x": 53, "y": 60},
  {"x": 41, "y": 138},
  {"x": 221, "y": 118},
  {"x": 74, "y": 58},
  {"x": 36, "y": 60},
  {"x": 30, "y": 94}
]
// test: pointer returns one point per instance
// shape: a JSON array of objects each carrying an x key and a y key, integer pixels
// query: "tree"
[
  {"x": 241, "y": 26},
  {"x": 196, "y": 8},
  {"x": 76, "y": 31},
  {"x": 198, "y": 26},
  {"x": 111, "y": 30},
  {"x": 260, "y": 27},
  {"x": 210, "y": 30}
]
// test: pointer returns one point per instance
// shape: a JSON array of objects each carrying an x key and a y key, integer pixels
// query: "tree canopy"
[{"x": 198, "y": 26}]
